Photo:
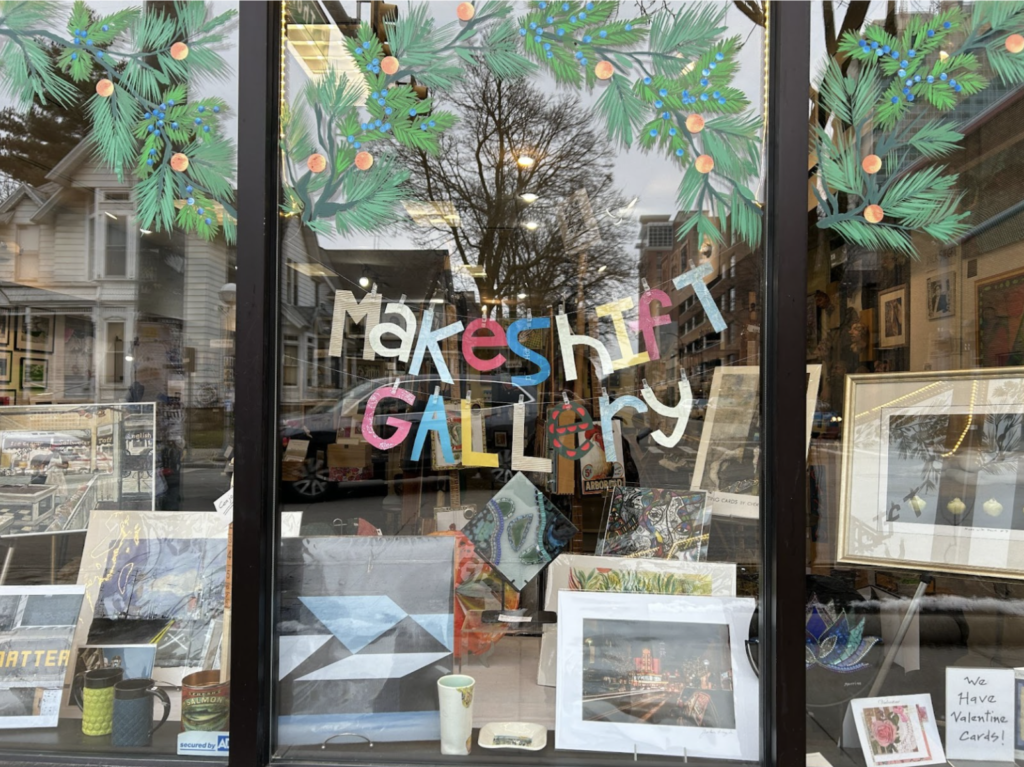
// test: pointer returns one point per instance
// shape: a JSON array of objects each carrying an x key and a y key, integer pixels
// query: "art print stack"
[{"x": 656, "y": 523}]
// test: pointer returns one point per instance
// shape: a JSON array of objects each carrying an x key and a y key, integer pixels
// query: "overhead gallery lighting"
[
  {"x": 529, "y": 198},
  {"x": 525, "y": 161},
  {"x": 531, "y": 225}
]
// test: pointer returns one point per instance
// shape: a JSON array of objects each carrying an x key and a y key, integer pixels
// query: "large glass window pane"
[
  {"x": 519, "y": 480},
  {"x": 117, "y": 264},
  {"x": 914, "y": 317}
]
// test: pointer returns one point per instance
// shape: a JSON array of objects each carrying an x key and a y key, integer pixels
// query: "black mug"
[{"x": 133, "y": 712}]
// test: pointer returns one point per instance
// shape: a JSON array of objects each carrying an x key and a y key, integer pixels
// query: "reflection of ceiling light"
[
  {"x": 531, "y": 225},
  {"x": 128, "y": 358},
  {"x": 602, "y": 268},
  {"x": 521, "y": 296},
  {"x": 525, "y": 161},
  {"x": 146, "y": 231},
  {"x": 318, "y": 48},
  {"x": 528, "y": 198},
  {"x": 943, "y": 55},
  {"x": 364, "y": 282},
  {"x": 430, "y": 213},
  {"x": 110, "y": 215},
  {"x": 315, "y": 270},
  {"x": 475, "y": 270}
]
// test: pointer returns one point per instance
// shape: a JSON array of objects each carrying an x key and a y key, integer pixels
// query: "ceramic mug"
[
  {"x": 94, "y": 694},
  {"x": 133, "y": 712},
  {"x": 455, "y": 695},
  {"x": 204, "y": 701}
]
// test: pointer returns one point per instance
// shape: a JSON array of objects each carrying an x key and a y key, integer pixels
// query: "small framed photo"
[
  {"x": 5, "y": 327},
  {"x": 34, "y": 373},
  {"x": 500, "y": 439},
  {"x": 6, "y": 362},
  {"x": 35, "y": 333},
  {"x": 8, "y": 397},
  {"x": 892, "y": 313},
  {"x": 941, "y": 291}
]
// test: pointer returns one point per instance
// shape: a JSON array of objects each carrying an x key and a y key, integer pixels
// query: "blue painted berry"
[
  {"x": 561, "y": 31},
  {"x": 550, "y": 19},
  {"x": 910, "y": 97},
  {"x": 943, "y": 76},
  {"x": 432, "y": 124},
  {"x": 671, "y": 131},
  {"x": 200, "y": 211},
  {"x": 171, "y": 102},
  {"x": 902, "y": 73},
  {"x": 149, "y": 162},
  {"x": 895, "y": 99},
  {"x": 189, "y": 189},
  {"x": 198, "y": 121},
  {"x": 706, "y": 72},
  {"x": 647, "y": 81},
  {"x": 603, "y": 33},
  {"x": 151, "y": 128},
  {"x": 879, "y": 53},
  {"x": 376, "y": 62},
  {"x": 522, "y": 32},
  {"x": 583, "y": 15},
  {"x": 912, "y": 53},
  {"x": 931, "y": 33},
  {"x": 106, "y": 27},
  {"x": 662, "y": 92},
  {"x": 208, "y": 222},
  {"x": 704, "y": 81},
  {"x": 549, "y": 54},
  {"x": 587, "y": 38},
  {"x": 946, "y": 25},
  {"x": 201, "y": 108},
  {"x": 629, "y": 27},
  {"x": 931, "y": 79},
  {"x": 191, "y": 201},
  {"x": 720, "y": 56},
  {"x": 958, "y": 87},
  {"x": 147, "y": 115},
  {"x": 159, "y": 122},
  {"x": 886, "y": 49},
  {"x": 99, "y": 54},
  {"x": 657, "y": 104},
  {"x": 679, "y": 153},
  {"x": 712, "y": 65},
  {"x": 547, "y": 46},
  {"x": 590, "y": 7},
  {"x": 717, "y": 95},
  {"x": 654, "y": 131},
  {"x": 74, "y": 56},
  {"x": 874, "y": 44}
]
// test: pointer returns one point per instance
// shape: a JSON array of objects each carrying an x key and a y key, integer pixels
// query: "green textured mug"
[{"x": 94, "y": 694}]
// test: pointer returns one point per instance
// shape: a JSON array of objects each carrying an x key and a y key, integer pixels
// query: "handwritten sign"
[{"x": 979, "y": 714}]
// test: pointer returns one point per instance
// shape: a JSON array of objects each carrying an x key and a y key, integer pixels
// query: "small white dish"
[{"x": 522, "y": 735}]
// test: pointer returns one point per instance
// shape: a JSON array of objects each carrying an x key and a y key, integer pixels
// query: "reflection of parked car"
[{"x": 311, "y": 480}]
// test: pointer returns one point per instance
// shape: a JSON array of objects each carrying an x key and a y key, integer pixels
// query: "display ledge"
[
  {"x": 66, "y": 743},
  {"x": 429, "y": 753}
]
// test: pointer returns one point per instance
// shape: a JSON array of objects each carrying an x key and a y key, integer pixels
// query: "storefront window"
[
  {"x": 117, "y": 271},
  {"x": 519, "y": 466},
  {"x": 914, "y": 308}
]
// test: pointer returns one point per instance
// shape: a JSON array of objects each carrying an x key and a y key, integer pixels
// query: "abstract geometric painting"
[
  {"x": 519, "y": 531},
  {"x": 366, "y": 628},
  {"x": 656, "y": 524}
]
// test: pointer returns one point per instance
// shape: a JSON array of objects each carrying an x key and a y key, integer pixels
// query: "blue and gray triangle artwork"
[{"x": 366, "y": 630}]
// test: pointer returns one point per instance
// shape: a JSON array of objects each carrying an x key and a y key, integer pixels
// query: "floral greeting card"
[{"x": 898, "y": 730}]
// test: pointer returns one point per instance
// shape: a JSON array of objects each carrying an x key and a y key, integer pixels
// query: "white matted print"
[
  {"x": 582, "y": 572},
  {"x": 892, "y": 317},
  {"x": 897, "y": 730},
  {"x": 729, "y": 452},
  {"x": 652, "y": 674},
  {"x": 941, "y": 292}
]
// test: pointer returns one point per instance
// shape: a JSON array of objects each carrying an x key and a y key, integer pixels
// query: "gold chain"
[{"x": 970, "y": 420}]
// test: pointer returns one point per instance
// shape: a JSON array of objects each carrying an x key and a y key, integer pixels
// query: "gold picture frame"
[{"x": 933, "y": 472}]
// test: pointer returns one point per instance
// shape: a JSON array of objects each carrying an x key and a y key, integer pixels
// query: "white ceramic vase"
[{"x": 455, "y": 694}]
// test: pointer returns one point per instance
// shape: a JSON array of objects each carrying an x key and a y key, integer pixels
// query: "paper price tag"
[
  {"x": 225, "y": 506},
  {"x": 515, "y": 618}
]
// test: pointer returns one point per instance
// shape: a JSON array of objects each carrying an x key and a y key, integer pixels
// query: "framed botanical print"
[
  {"x": 34, "y": 373},
  {"x": 941, "y": 293},
  {"x": 6, "y": 361},
  {"x": 892, "y": 317},
  {"x": 933, "y": 472},
  {"x": 35, "y": 333},
  {"x": 5, "y": 327},
  {"x": 1000, "y": 312}
]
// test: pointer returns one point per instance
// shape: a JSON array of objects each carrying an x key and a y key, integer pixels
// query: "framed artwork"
[
  {"x": 84, "y": 452},
  {"x": 6, "y": 362},
  {"x": 43, "y": 619},
  {"x": 685, "y": 656},
  {"x": 1000, "y": 309},
  {"x": 5, "y": 327},
  {"x": 501, "y": 439},
  {"x": 8, "y": 397},
  {"x": 34, "y": 373},
  {"x": 892, "y": 317},
  {"x": 933, "y": 472},
  {"x": 35, "y": 333},
  {"x": 656, "y": 523},
  {"x": 897, "y": 730},
  {"x": 941, "y": 292},
  {"x": 366, "y": 628},
  {"x": 581, "y": 572},
  {"x": 519, "y": 531},
  {"x": 729, "y": 450},
  {"x": 154, "y": 577}
]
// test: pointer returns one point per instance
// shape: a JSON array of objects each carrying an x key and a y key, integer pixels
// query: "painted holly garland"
[
  {"x": 139, "y": 65},
  {"x": 933, "y": 63},
  {"x": 667, "y": 88}
]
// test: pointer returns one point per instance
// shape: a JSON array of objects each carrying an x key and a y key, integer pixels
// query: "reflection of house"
[
  {"x": 310, "y": 275},
  {"x": 111, "y": 304}
]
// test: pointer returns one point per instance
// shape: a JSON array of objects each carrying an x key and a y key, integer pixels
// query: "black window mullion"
[
  {"x": 783, "y": 383},
  {"x": 256, "y": 440}
]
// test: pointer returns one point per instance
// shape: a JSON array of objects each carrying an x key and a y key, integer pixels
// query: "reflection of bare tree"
[{"x": 477, "y": 172}]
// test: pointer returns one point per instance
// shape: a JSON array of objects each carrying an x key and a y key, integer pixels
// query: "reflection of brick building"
[{"x": 689, "y": 343}]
